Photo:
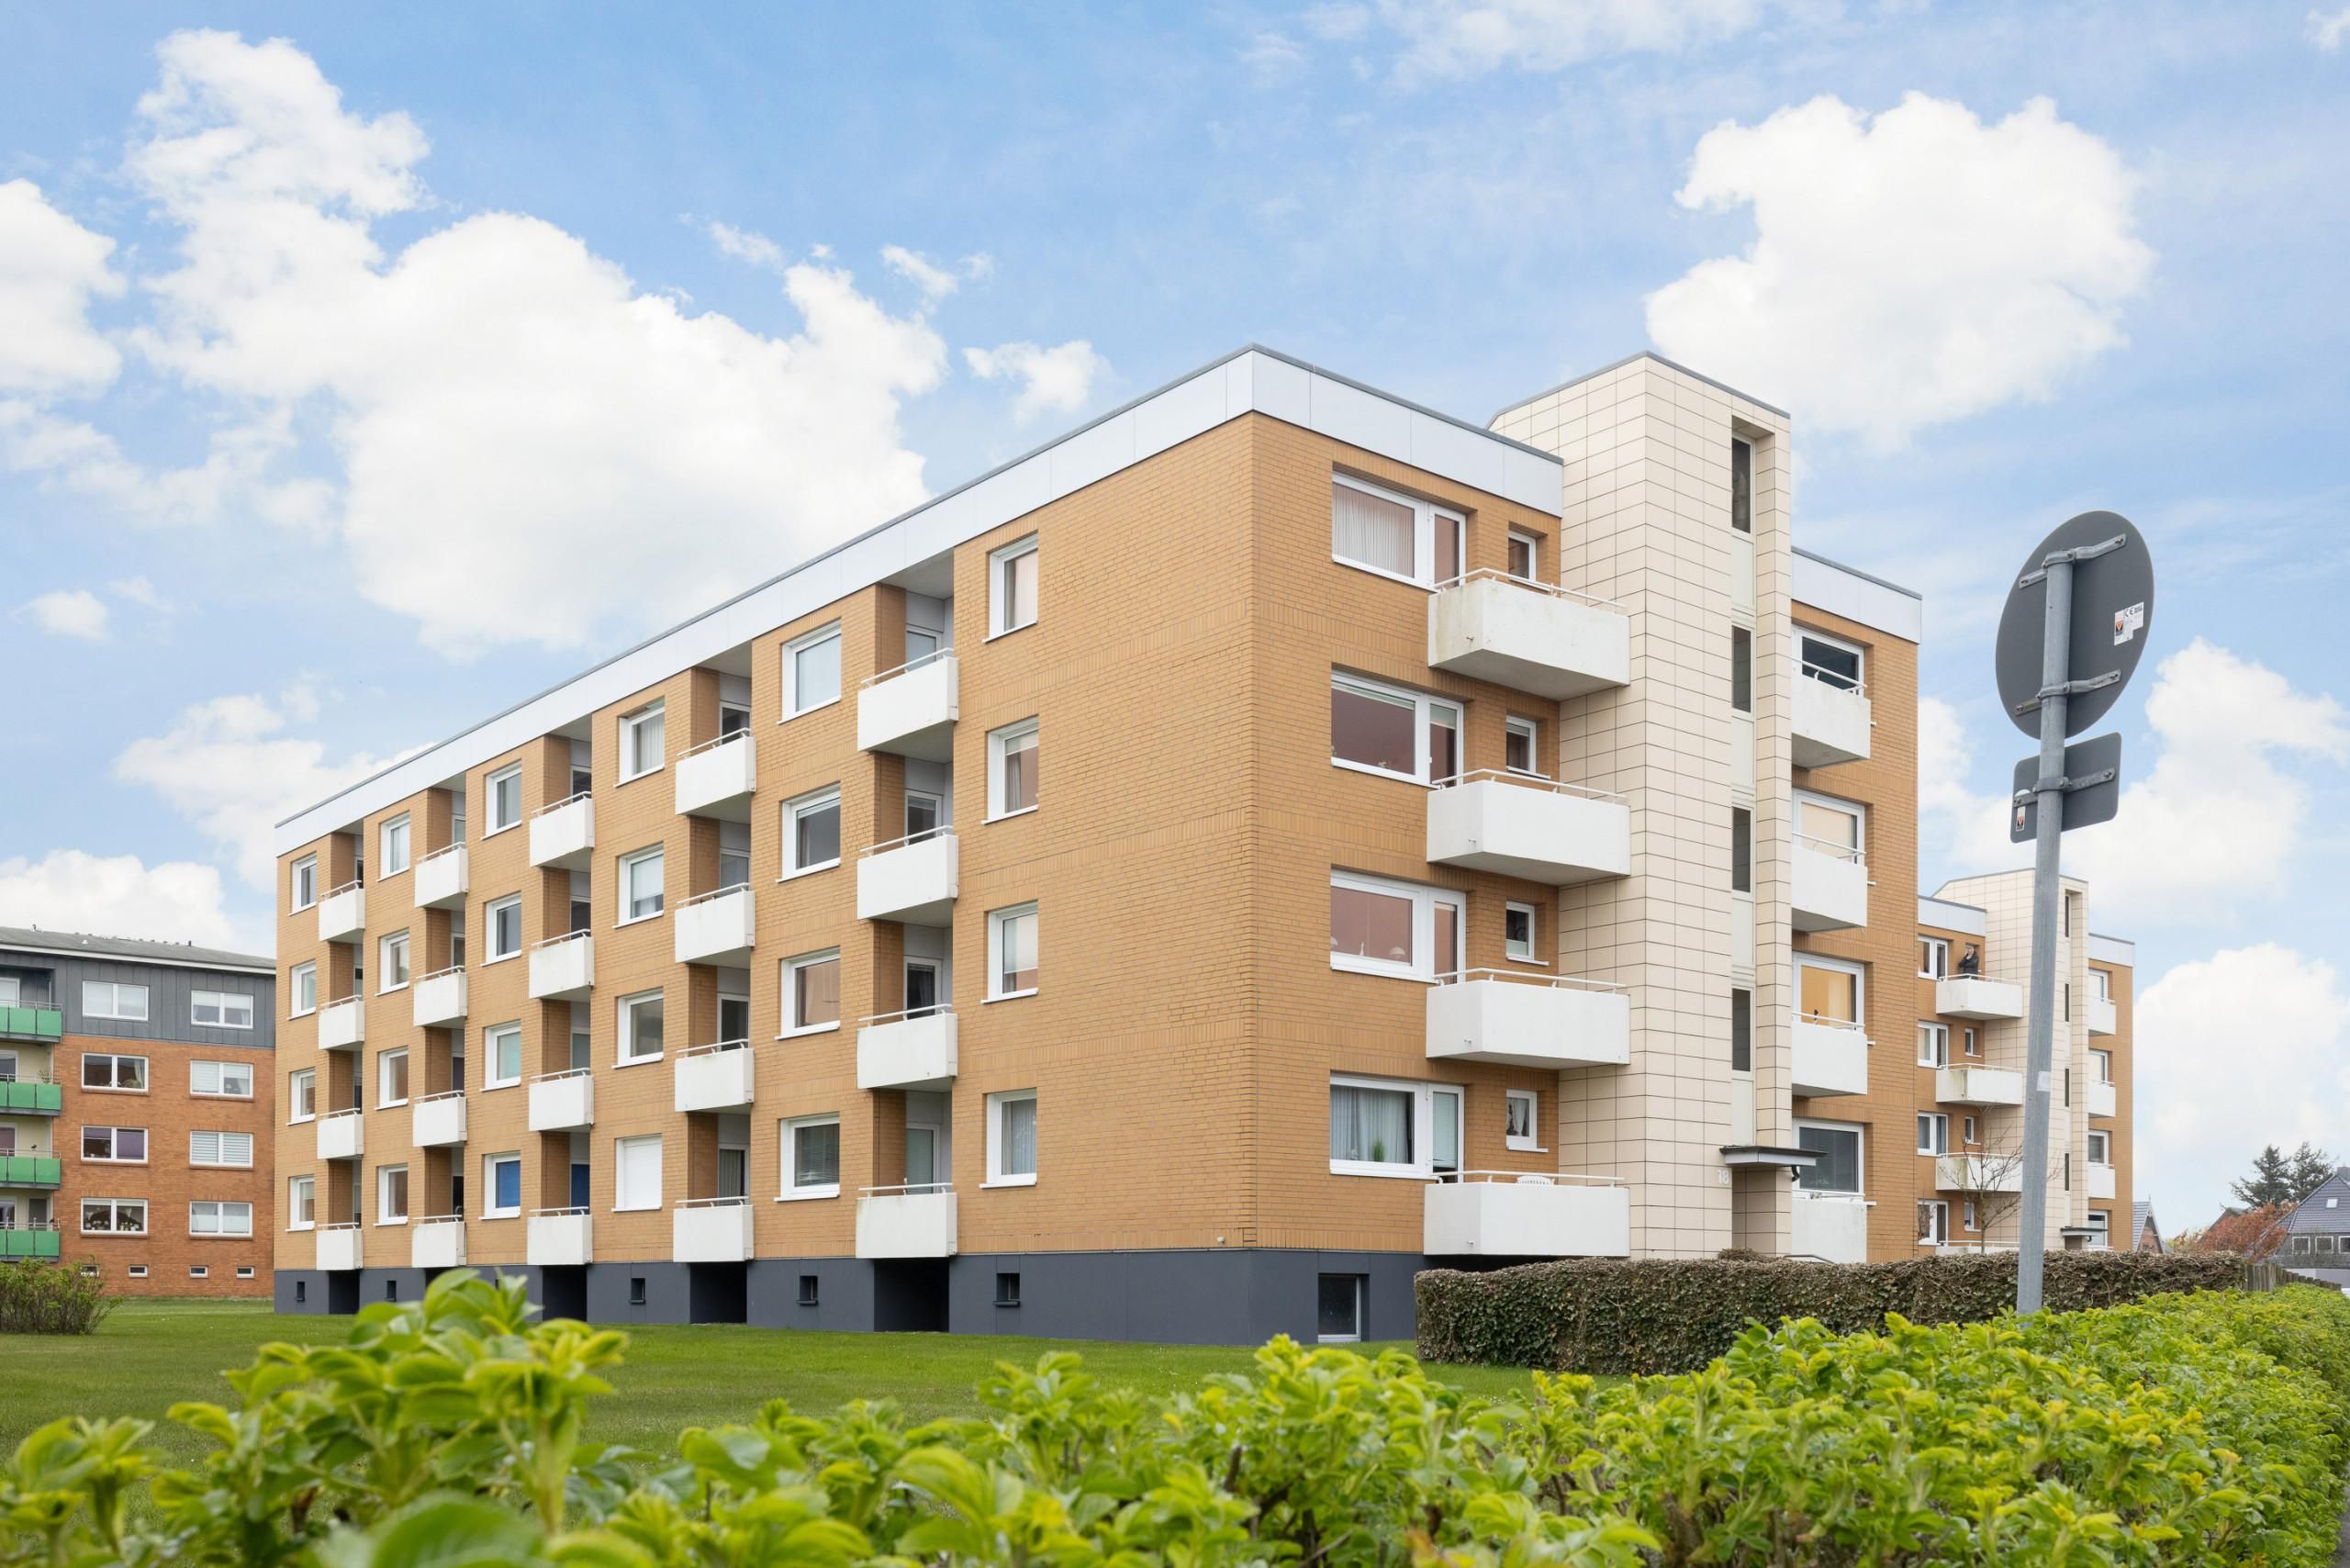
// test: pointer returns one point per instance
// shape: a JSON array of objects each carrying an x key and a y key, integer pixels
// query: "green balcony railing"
[
  {"x": 22, "y": 1097},
  {"x": 30, "y": 1170},
  {"x": 37, "y": 1241},
  {"x": 31, "y": 1023}
]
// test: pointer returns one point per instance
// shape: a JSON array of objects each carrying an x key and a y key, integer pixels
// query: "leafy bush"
[
  {"x": 2206, "y": 1428},
  {"x": 51, "y": 1298},
  {"x": 1668, "y": 1316}
]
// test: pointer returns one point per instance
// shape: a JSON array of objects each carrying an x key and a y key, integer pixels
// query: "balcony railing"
[
  {"x": 436, "y": 1121},
  {"x": 1831, "y": 886},
  {"x": 563, "y": 832},
  {"x": 717, "y": 778},
  {"x": 915, "y": 878},
  {"x": 32, "y": 1097},
  {"x": 440, "y": 998},
  {"x": 562, "y": 967},
  {"x": 1520, "y": 1019},
  {"x": 1529, "y": 636},
  {"x": 2104, "y": 1018},
  {"x": 1832, "y": 719},
  {"x": 716, "y": 927},
  {"x": 1977, "y": 996},
  {"x": 438, "y": 1241},
  {"x": 1526, "y": 826},
  {"x": 914, "y": 1220},
  {"x": 342, "y": 1023},
  {"x": 912, "y": 709},
  {"x": 340, "y": 1247},
  {"x": 1833, "y": 1226},
  {"x": 29, "y": 1240},
  {"x": 31, "y": 1023},
  {"x": 2104, "y": 1099},
  {"x": 1961, "y": 1085},
  {"x": 1526, "y": 1213},
  {"x": 341, "y": 1134},
  {"x": 560, "y": 1238},
  {"x": 342, "y": 913},
  {"x": 442, "y": 877},
  {"x": 562, "y": 1100},
  {"x": 30, "y": 1170},
  {"x": 710, "y": 1230},
  {"x": 918, "y": 1048},
  {"x": 1831, "y": 1056},
  {"x": 722, "y": 1076}
]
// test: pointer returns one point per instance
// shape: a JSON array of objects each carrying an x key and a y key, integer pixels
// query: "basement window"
[{"x": 1007, "y": 1290}]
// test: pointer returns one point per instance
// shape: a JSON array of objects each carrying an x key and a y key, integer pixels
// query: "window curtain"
[
  {"x": 1371, "y": 926},
  {"x": 1020, "y": 1138},
  {"x": 817, "y": 992},
  {"x": 1371, "y": 1126},
  {"x": 1838, "y": 1167},
  {"x": 1371, "y": 529},
  {"x": 1020, "y": 953},
  {"x": 816, "y": 1156}
]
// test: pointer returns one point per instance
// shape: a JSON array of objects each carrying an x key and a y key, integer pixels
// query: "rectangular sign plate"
[{"x": 2085, "y": 805}]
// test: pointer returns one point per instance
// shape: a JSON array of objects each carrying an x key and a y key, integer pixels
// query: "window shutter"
[
  {"x": 204, "y": 1149},
  {"x": 236, "y": 1148},
  {"x": 204, "y": 1077}
]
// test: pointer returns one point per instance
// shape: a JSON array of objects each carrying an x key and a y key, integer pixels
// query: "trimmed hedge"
[
  {"x": 51, "y": 1298},
  {"x": 1671, "y": 1315}
]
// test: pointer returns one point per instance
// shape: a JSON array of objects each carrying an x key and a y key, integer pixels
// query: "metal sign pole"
[{"x": 2047, "y": 889}]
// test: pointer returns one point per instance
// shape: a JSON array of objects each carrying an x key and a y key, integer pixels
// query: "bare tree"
[{"x": 1992, "y": 1175}]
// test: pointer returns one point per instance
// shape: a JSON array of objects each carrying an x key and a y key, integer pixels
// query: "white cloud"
[
  {"x": 1465, "y": 38},
  {"x": 934, "y": 281},
  {"x": 1059, "y": 379},
  {"x": 1909, "y": 268},
  {"x": 117, "y": 895},
  {"x": 745, "y": 245},
  {"x": 139, "y": 591},
  {"x": 1337, "y": 22},
  {"x": 70, "y": 612},
  {"x": 2327, "y": 32},
  {"x": 230, "y": 767},
  {"x": 51, "y": 268},
  {"x": 2280, "y": 1022},
  {"x": 1271, "y": 57}
]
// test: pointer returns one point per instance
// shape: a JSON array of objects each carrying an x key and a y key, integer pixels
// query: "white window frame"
[
  {"x": 490, "y": 784},
  {"x": 2099, "y": 1141},
  {"x": 305, "y": 869},
  {"x": 220, "y": 1208},
  {"x": 220, "y": 1147},
  {"x": 789, "y": 1142},
  {"x": 1969, "y": 1216},
  {"x": 395, "y": 846},
  {"x": 1857, "y": 810},
  {"x": 996, "y": 1174},
  {"x": 620, "y": 1149},
  {"x": 221, "y": 1003},
  {"x": 489, "y": 1164},
  {"x": 998, "y": 743},
  {"x": 1933, "y": 1132},
  {"x": 2102, "y": 1223},
  {"x": 146, "y": 1072},
  {"x": 626, "y": 1014},
  {"x": 490, "y": 1035},
  {"x": 1933, "y": 958},
  {"x": 1533, "y": 542},
  {"x": 1528, "y": 1143},
  {"x": 1967, "y": 1127},
  {"x": 1860, "y": 1155},
  {"x": 630, "y": 723},
  {"x": 1515, "y": 724},
  {"x": 1972, "y": 1043},
  {"x": 1426, "y": 517},
  {"x": 117, "y": 1206},
  {"x": 1937, "y": 1055},
  {"x": 2103, "y": 1061},
  {"x": 383, "y": 1181},
  {"x": 114, "y": 1135},
  {"x": 294, "y": 1082},
  {"x": 305, "y": 972},
  {"x": 2101, "y": 985},
  {"x": 793, "y": 809},
  {"x": 1533, "y": 913},
  {"x": 1423, "y": 1165},
  {"x": 299, "y": 1189},
  {"x": 996, "y": 919},
  {"x": 115, "y": 993},
  {"x": 384, "y": 1060},
  {"x": 1940, "y": 1209},
  {"x": 792, "y": 1025},
  {"x": 1860, "y": 654},
  {"x": 628, "y": 864},
  {"x": 1425, "y": 900},
  {"x": 1422, "y": 721},
  {"x": 385, "y": 946},
  {"x": 223, "y": 1072},
  {"x": 490, "y": 912},
  {"x": 792, "y": 706},
  {"x": 1860, "y": 991},
  {"x": 1000, "y": 621}
]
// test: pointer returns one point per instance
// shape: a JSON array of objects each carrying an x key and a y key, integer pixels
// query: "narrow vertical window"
[
  {"x": 1011, "y": 587},
  {"x": 1741, "y": 486}
]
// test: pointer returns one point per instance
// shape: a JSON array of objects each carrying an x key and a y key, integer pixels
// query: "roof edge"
[{"x": 1643, "y": 354}]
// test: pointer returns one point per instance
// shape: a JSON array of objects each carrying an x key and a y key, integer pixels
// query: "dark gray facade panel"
[
  {"x": 169, "y": 998},
  {"x": 1218, "y": 1296},
  {"x": 844, "y": 1294},
  {"x": 668, "y": 1292}
]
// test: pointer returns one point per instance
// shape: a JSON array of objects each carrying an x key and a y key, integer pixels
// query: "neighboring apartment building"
[
  {"x": 1436, "y": 821},
  {"x": 136, "y": 1125},
  {"x": 2317, "y": 1233}
]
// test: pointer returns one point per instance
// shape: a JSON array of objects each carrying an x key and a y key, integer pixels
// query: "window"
[
  {"x": 1524, "y": 556},
  {"x": 811, "y": 1157},
  {"x": 1742, "y": 850},
  {"x": 1827, "y": 991},
  {"x": 641, "y": 876},
  {"x": 505, "y": 790},
  {"x": 1012, "y": 951},
  {"x": 1966, "y": 1130},
  {"x": 1520, "y": 930},
  {"x": 811, "y": 992},
  {"x": 1394, "y": 535},
  {"x": 2102, "y": 1229},
  {"x": 808, "y": 1290},
  {"x": 137, "y": 1270},
  {"x": 394, "y": 857},
  {"x": 812, "y": 832},
  {"x": 1742, "y": 1030},
  {"x": 302, "y": 980},
  {"x": 1391, "y": 730},
  {"x": 2103, "y": 1062},
  {"x": 1379, "y": 927},
  {"x": 1832, "y": 827},
  {"x": 1007, "y": 1289},
  {"x": 501, "y": 1054},
  {"x": 1974, "y": 1042},
  {"x": 1933, "y": 1223},
  {"x": 114, "y": 1217},
  {"x": 1521, "y": 1120},
  {"x": 636, "y": 1171},
  {"x": 641, "y": 1027},
  {"x": 118, "y": 1146},
  {"x": 232, "y": 1150},
  {"x": 505, "y": 916},
  {"x": 812, "y": 671},
  {"x": 2100, "y": 987},
  {"x": 114, "y": 999},
  {"x": 501, "y": 1186},
  {"x": 1933, "y": 1133},
  {"x": 1933, "y": 1045},
  {"x": 641, "y": 737},
  {"x": 1969, "y": 1216},
  {"x": 1831, "y": 661},
  {"x": 924, "y": 813},
  {"x": 1012, "y": 770},
  {"x": 391, "y": 1078},
  {"x": 1338, "y": 1312},
  {"x": 1741, "y": 486},
  {"x": 1741, "y": 669},
  {"x": 392, "y": 962},
  {"x": 1012, "y": 587},
  {"x": 2100, "y": 1149},
  {"x": 228, "y": 1080},
  {"x": 305, "y": 882},
  {"x": 391, "y": 1194},
  {"x": 1521, "y": 745},
  {"x": 101, "y": 1071},
  {"x": 302, "y": 1095},
  {"x": 1933, "y": 958},
  {"x": 1011, "y": 1138},
  {"x": 1379, "y": 1127},
  {"x": 1838, "y": 1144}
]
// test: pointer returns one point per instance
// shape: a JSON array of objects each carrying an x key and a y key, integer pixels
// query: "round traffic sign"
[{"x": 2113, "y": 614}]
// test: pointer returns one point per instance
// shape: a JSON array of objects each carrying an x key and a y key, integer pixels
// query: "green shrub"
[
  {"x": 2207, "y": 1429},
  {"x": 51, "y": 1298},
  {"x": 1668, "y": 1316}
]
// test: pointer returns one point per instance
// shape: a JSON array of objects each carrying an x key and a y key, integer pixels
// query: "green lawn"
[{"x": 149, "y": 1355}]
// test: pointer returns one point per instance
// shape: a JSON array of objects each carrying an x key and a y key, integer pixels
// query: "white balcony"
[
  {"x": 440, "y": 998},
  {"x": 2103, "y": 1016},
  {"x": 1831, "y": 887},
  {"x": 1518, "y": 825},
  {"x": 339, "y": 1247},
  {"x": 1834, "y": 1226},
  {"x": 1977, "y": 1086},
  {"x": 437, "y": 1243},
  {"x": 1830, "y": 1057},
  {"x": 1831, "y": 722},
  {"x": 1976, "y": 996},
  {"x": 1532, "y": 637},
  {"x": 715, "y": 1078},
  {"x": 1516, "y": 1019},
  {"x": 895, "y": 1050},
  {"x": 715, "y": 927},
  {"x": 560, "y": 1238},
  {"x": 342, "y": 914},
  {"x": 2104, "y": 1099},
  {"x": 560, "y": 1101},
  {"x": 441, "y": 878},
  {"x": 563, "y": 834},
  {"x": 906, "y": 1222},
  {"x": 716, "y": 779},
  {"x": 1978, "y": 1173},
  {"x": 914, "y": 879},
  {"x": 342, "y": 1024},
  {"x": 912, "y": 709},
  {"x": 342, "y": 1135},
  {"x": 562, "y": 967},
  {"x": 2100, "y": 1180},
  {"x": 1509, "y": 1214},
  {"x": 710, "y": 1230},
  {"x": 438, "y": 1120}
]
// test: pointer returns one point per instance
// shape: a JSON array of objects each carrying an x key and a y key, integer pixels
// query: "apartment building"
[
  {"x": 1436, "y": 817},
  {"x": 136, "y": 1125}
]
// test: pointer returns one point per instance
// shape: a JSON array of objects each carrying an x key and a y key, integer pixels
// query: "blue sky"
[{"x": 305, "y": 346}]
